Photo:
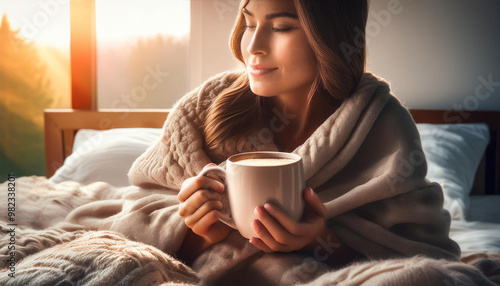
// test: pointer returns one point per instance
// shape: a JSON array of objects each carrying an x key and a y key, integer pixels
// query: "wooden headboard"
[{"x": 61, "y": 126}]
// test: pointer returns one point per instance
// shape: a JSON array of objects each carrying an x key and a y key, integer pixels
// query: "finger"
[
  {"x": 194, "y": 184},
  {"x": 209, "y": 165},
  {"x": 287, "y": 222},
  {"x": 270, "y": 231},
  {"x": 313, "y": 202},
  {"x": 202, "y": 211},
  {"x": 266, "y": 238},
  {"x": 197, "y": 200},
  {"x": 213, "y": 175},
  {"x": 314, "y": 212},
  {"x": 257, "y": 242},
  {"x": 202, "y": 226}
]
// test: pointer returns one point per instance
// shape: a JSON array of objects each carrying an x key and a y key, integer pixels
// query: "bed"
[
  {"x": 84, "y": 147},
  {"x": 478, "y": 130}
]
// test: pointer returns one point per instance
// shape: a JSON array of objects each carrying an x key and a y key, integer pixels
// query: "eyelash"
[
  {"x": 282, "y": 30},
  {"x": 277, "y": 30}
]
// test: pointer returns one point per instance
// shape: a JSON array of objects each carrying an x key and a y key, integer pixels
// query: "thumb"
[{"x": 209, "y": 165}]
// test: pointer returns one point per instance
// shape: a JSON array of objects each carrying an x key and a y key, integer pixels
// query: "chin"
[
  {"x": 263, "y": 91},
  {"x": 263, "y": 94}
]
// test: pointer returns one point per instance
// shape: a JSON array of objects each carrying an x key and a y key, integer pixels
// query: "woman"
[
  {"x": 360, "y": 147},
  {"x": 282, "y": 72}
]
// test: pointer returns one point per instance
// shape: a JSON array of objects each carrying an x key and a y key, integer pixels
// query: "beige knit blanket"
[
  {"x": 365, "y": 161},
  {"x": 49, "y": 250}
]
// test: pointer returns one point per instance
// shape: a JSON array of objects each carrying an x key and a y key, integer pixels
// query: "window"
[
  {"x": 34, "y": 75},
  {"x": 142, "y": 52},
  {"x": 142, "y": 55}
]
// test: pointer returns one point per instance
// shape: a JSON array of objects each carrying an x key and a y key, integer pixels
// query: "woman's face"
[{"x": 277, "y": 55}]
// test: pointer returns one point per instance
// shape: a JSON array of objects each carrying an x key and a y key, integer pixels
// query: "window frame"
[{"x": 83, "y": 55}]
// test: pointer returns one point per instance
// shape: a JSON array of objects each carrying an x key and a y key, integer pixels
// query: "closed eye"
[{"x": 282, "y": 30}]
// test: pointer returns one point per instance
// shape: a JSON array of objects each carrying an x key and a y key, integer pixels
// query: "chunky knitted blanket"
[{"x": 365, "y": 162}]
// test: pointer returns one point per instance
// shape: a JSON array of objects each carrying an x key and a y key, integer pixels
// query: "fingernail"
[
  {"x": 269, "y": 208},
  {"x": 259, "y": 212},
  {"x": 221, "y": 189},
  {"x": 311, "y": 191},
  {"x": 252, "y": 240},
  {"x": 256, "y": 226}
]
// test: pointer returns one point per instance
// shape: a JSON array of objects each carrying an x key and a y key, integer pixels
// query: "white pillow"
[
  {"x": 453, "y": 153},
  {"x": 105, "y": 155}
]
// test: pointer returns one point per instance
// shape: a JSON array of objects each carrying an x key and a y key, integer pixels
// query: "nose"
[{"x": 259, "y": 43}]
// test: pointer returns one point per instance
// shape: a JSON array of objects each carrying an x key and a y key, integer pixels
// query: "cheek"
[
  {"x": 310, "y": 63},
  {"x": 302, "y": 57},
  {"x": 245, "y": 41}
]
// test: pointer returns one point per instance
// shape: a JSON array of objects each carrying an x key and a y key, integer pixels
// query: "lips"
[{"x": 259, "y": 70}]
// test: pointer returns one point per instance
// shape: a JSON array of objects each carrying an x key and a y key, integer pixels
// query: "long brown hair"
[{"x": 335, "y": 31}]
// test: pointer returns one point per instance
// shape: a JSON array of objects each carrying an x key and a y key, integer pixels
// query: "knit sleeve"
[{"x": 179, "y": 152}]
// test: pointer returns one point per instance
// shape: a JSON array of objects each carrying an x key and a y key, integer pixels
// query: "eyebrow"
[{"x": 274, "y": 15}]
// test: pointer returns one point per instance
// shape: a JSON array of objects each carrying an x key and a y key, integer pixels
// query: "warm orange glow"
[{"x": 83, "y": 58}]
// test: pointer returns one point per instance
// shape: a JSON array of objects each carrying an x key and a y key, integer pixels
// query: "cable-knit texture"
[
  {"x": 366, "y": 154},
  {"x": 365, "y": 162}
]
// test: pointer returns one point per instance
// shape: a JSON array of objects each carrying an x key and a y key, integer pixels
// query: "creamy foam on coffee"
[{"x": 265, "y": 161}]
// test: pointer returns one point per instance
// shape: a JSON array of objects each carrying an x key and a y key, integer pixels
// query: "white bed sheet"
[
  {"x": 481, "y": 231},
  {"x": 476, "y": 235}
]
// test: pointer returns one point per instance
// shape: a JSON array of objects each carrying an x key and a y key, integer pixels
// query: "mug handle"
[{"x": 222, "y": 173}]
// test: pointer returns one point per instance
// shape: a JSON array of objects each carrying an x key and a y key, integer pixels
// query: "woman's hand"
[
  {"x": 200, "y": 206},
  {"x": 279, "y": 232}
]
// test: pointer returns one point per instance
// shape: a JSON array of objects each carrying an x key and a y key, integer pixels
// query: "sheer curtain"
[{"x": 142, "y": 52}]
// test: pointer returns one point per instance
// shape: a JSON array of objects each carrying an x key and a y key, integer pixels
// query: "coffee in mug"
[
  {"x": 265, "y": 161},
  {"x": 256, "y": 178}
]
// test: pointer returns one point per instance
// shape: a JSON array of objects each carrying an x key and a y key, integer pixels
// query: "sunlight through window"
[
  {"x": 34, "y": 75},
  {"x": 142, "y": 52}
]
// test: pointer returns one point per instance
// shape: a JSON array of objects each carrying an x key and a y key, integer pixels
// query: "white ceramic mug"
[{"x": 253, "y": 183}]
